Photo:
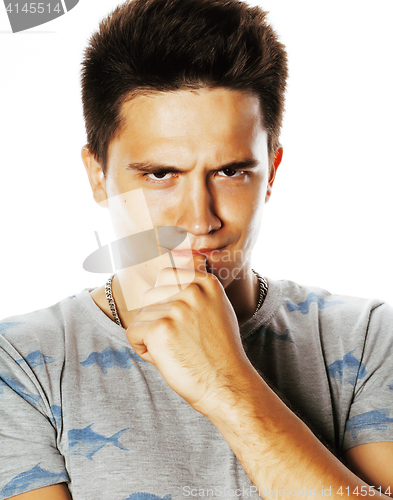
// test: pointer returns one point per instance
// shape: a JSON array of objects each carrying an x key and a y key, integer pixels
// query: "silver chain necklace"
[
  {"x": 263, "y": 287},
  {"x": 111, "y": 302}
]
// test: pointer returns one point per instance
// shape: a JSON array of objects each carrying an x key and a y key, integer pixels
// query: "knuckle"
[
  {"x": 166, "y": 322},
  {"x": 178, "y": 308},
  {"x": 212, "y": 280},
  {"x": 193, "y": 289}
]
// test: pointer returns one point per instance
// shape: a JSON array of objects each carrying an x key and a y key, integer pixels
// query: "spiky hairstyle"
[{"x": 169, "y": 45}]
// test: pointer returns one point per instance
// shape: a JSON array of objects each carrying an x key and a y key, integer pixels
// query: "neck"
[{"x": 243, "y": 293}]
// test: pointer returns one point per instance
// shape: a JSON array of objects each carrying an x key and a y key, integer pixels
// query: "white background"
[{"x": 329, "y": 220}]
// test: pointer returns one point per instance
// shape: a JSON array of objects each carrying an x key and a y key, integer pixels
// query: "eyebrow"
[{"x": 151, "y": 167}]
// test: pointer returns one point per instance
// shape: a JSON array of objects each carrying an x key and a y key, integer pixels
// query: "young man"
[{"x": 183, "y": 102}]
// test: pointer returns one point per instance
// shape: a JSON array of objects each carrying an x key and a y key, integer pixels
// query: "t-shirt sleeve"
[
  {"x": 29, "y": 458},
  {"x": 370, "y": 417}
]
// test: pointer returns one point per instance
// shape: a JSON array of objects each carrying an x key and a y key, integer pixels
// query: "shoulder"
[
  {"x": 305, "y": 299},
  {"x": 333, "y": 316},
  {"x": 42, "y": 332}
]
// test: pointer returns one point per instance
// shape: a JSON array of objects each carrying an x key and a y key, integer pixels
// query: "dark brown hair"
[{"x": 168, "y": 45}]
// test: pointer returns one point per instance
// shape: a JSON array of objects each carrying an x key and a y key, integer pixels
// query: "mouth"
[{"x": 189, "y": 252}]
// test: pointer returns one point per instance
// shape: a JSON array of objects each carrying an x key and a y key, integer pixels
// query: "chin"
[{"x": 224, "y": 272}]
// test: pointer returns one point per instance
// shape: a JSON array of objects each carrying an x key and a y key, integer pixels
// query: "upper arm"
[
  {"x": 373, "y": 463},
  {"x": 54, "y": 492},
  {"x": 29, "y": 426}
]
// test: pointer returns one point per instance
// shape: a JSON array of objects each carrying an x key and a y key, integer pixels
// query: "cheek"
[
  {"x": 118, "y": 182},
  {"x": 245, "y": 206},
  {"x": 129, "y": 213},
  {"x": 162, "y": 209},
  {"x": 247, "y": 212}
]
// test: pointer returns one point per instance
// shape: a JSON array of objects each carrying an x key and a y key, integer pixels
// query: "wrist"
[{"x": 232, "y": 395}]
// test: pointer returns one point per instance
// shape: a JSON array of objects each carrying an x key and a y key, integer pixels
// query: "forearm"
[{"x": 275, "y": 448}]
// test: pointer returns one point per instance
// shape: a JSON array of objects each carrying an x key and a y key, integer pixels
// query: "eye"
[
  {"x": 159, "y": 176},
  {"x": 231, "y": 172}
]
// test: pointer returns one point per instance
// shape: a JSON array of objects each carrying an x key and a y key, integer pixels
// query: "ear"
[
  {"x": 273, "y": 170},
  {"x": 95, "y": 175}
]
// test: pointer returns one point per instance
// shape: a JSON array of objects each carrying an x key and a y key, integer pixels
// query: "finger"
[
  {"x": 150, "y": 313},
  {"x": 182, "y": 275},
  {"x": 159, "y": 294},
  {"x": 143, "y": 353},
  {"x": 171, "y": 276},
  {"x": 166, "y": 277},
  {"x": 136, "y": 334}
]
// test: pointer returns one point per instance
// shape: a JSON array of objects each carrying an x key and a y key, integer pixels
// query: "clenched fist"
[{"x": 192, "y": 337}]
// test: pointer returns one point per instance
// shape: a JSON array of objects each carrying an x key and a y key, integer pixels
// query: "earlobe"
[
  {"x": 273, "y": 171},
  {"x": 95, "y": 175}
]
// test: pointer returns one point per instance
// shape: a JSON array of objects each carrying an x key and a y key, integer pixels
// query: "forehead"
[{"x": 189, "y": 122}]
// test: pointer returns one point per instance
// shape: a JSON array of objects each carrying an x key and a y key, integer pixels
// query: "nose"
[{"x": 198, "y": 214}]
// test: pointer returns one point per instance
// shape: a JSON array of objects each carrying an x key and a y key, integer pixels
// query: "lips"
[{"x": 188, "y": 252}]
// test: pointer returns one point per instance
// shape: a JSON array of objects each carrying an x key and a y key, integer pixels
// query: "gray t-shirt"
[{"x": 77, "y": 404}]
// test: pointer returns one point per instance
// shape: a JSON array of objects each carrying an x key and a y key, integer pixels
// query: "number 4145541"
[{"x": 33, "y": 8}]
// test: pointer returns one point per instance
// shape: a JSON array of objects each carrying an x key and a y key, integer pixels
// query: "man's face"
[{"x": 201, "y": 160}]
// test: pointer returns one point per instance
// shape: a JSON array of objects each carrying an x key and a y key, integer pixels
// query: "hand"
[{"x": 192, "y": 337}]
